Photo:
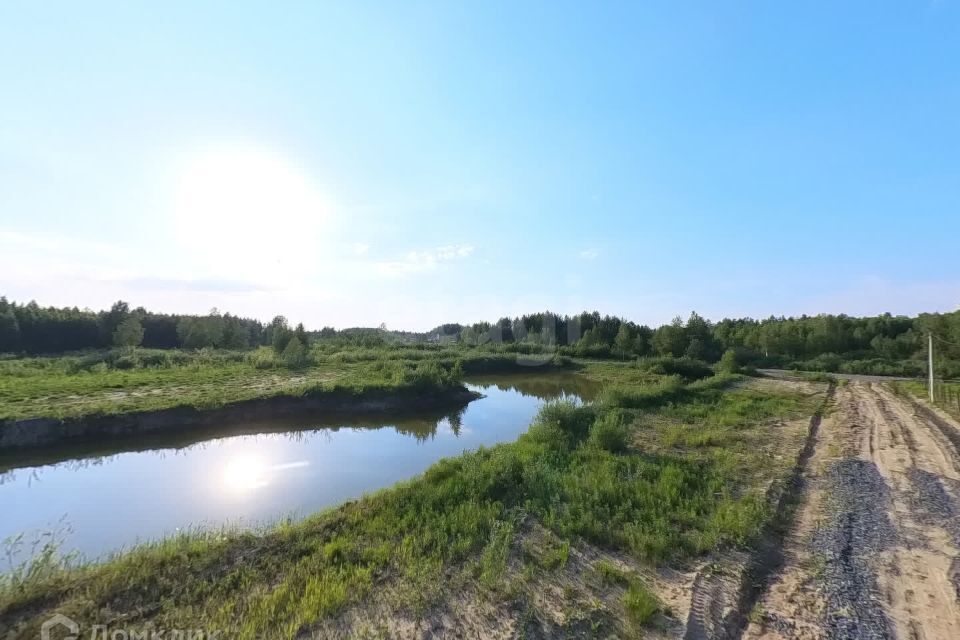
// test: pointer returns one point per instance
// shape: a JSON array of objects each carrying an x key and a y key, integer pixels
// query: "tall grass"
[
  {"x": 119, "y": 381},
  {"x": 578, "y": 471}
]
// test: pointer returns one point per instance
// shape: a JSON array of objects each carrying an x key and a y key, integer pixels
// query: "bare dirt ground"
[
  {"x": 788, "y": 374},
  {"x": 573, "y": 602},
  {"x": 875, "y": 545}
]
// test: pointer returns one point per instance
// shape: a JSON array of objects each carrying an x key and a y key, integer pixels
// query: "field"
[
  {"x": 581, "y": 526},
  {"x": 111, "y": 382}
]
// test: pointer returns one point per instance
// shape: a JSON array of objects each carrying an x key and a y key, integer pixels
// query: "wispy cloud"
[
  {"x": 589, "y": 254},
  {"x": 71, "y": 263},
  {"x": 424, "y": 260}
]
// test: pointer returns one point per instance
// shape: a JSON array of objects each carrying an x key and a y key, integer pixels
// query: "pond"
[{"x": 99, "y": 504}]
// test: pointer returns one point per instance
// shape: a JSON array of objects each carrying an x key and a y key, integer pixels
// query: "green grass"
[
  {"x": 610, "y": 574},
  {"x": 112, "y": 382},
  {"x": 55, "y": 387},
  {"x": 640, "y": 604},
  {"x": 460, "y": 523},
  {"x": 946, "y": 394}
]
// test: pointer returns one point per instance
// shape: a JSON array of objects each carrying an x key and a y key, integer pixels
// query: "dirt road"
[{"x": 874, "y": 549}]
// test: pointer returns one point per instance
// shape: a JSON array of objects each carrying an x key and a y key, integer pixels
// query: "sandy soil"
[{"x": 875, "y": 547}]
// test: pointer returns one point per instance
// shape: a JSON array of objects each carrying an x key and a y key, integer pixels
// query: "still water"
[{"x": 99, "y": 504}]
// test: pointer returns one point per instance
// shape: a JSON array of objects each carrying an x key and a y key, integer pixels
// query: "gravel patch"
[
  {"x": 931, "y": 504},
  {"x": 858, "y": 528}
]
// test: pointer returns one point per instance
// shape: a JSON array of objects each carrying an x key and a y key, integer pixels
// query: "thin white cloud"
[
  {"x": 361, "y": 248},
  {"x": 424, "y": 260},
  {"x": 589, "y": 254}
]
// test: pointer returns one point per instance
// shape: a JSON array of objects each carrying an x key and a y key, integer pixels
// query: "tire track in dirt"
[
  {"x": 876, "y": 552},
  {"x": 721, "y": 600},
  {"x": 915, "y": 573}
]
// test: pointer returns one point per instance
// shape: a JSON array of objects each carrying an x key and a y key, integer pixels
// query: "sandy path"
[{"x": 875, "y": 547}]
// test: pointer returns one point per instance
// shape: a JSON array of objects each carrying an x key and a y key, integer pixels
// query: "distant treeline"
[
  {"x": 883, "y": 344},
  {"x": 30, "y": 328}
]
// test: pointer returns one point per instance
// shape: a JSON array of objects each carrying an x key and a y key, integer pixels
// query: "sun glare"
[
  {"x": 244, "y": 473},
  {"x": 247, "y": 210}
]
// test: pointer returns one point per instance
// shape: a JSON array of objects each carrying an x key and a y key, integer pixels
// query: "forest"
[{"x": 885, "y": 344}]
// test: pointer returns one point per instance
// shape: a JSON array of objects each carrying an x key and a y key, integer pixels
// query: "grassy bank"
[
  {"x": 114, "y": 382},
  {"x": 650, "y": 475},
  {"x": 946, "y": 394}
]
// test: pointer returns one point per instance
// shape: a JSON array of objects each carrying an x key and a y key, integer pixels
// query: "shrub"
[
  {"x": 610, "y": 433},
  {"x": 562, "y": 423},
  {"x": 686, "y": 368},
  {"x": 264, "y": 358},
  {"x": 824, "y": 362},
  {"x": 666, "y": 390},
  {"x": 294, "y": 354},
  {"x": 728, "y": 362},
  {"x": 424, "y": 375},
  {"x": 126, "y": 362}
]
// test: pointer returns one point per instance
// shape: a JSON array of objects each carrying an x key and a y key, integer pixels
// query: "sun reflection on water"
[{"x": 246, "y": 472}]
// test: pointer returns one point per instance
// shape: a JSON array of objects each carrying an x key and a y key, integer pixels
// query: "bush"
[
  {"x": 264, "y": 358},
  {"x": 154, "y": 359},
  {"x": 563, "y": 423},
  {"x": 425, "y": 375},
  {"x": 686, "y": 368},
  {"x": 294, "y": 354},
  {"x": 829, "y": 362},
  {"x": 728, "y": 362},
  {"x": 126, "y": 362},
  {"x": 610, "y": 433},
  {"x": 646, "y": 397}
]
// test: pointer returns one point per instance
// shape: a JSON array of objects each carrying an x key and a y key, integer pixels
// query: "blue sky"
[{"x": 413, "y": 163}]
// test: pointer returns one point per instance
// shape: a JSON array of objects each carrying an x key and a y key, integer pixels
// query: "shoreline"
[{"x": 247, "y": 417}]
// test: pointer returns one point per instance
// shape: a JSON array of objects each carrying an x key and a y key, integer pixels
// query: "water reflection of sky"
[{"x": 114, "y": 501}]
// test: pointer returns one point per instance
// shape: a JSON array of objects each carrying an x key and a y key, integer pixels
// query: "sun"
[{"x": 246, "y": 210}]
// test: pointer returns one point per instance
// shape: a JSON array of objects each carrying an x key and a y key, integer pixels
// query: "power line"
[{"x": 953, "y": 344}]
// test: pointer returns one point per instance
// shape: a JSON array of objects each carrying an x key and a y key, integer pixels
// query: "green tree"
[
  {"x": 302, "y": 336},
  {"x": 294, "y": 353},
  {"x": 235, "y": 335},
  {"x": 112, "y": 319},
  {"x": 279, "y": 333},
  {"x": 9, "y": 330},
  {"x": 197, "y": 332},
  {"x": 670, "y": 339},
  {"x": 623, "y": 343},
  {"x": 129, "y": 333},
  {"x": 695, "y": 349},
  {"x": 591, "y": 338}
]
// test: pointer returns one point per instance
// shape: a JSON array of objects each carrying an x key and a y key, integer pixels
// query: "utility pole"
[{"x": 930, "y": 365}]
